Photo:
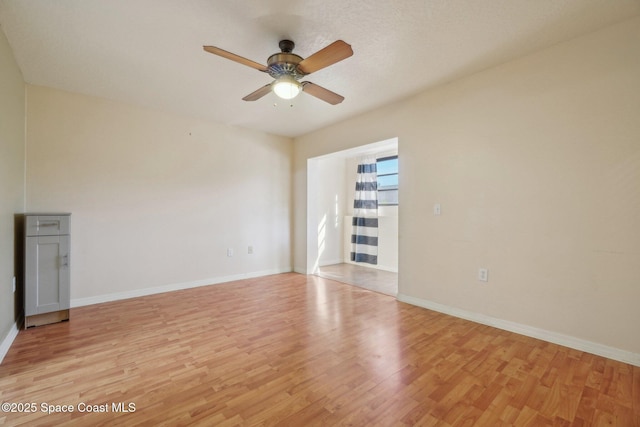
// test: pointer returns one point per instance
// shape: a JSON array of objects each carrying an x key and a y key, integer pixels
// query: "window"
[{"x": 387, "y": 181}]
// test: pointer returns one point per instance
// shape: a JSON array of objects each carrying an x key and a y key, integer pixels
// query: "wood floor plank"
[{"x": 297, "y": 350}]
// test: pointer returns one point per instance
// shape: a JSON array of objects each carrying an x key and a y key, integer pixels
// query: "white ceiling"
[{"x": 149, "y": 52}]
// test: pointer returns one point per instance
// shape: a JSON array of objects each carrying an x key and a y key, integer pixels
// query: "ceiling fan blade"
[
  {"x": 253, "y": 96},
  {"x": 234, "y": 57},
  {"x": 335, "y": 52},
  {"x": 321, "y": 93}
]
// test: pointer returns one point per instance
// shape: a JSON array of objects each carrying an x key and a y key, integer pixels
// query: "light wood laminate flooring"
[{"x": 296, "y": 350}]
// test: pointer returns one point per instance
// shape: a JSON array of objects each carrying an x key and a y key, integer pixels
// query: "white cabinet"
[{"x": 46, "y": 268}]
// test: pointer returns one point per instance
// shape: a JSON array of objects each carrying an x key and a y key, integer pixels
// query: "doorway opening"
[{"x": 330, "y": 200}]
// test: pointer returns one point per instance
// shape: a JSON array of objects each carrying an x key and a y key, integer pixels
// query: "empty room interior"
[{"x": 320, "y": 213}]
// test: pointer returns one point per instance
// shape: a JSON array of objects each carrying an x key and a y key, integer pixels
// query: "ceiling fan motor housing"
[{"x": 285, "y": 62}]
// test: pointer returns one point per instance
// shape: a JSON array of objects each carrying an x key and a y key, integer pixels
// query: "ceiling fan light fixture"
[{"x": 286, "y": 87}]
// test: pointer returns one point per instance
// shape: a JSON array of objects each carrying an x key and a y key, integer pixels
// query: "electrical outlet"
[
  {"x": 436, "y": 209},
  {"x": 229, "y": 252},
  {"x": 250, "y": 250},
  {"x": 483, "y": 275}
]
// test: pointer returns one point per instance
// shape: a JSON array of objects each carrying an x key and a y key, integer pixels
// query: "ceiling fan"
[{"x": 287, "y": 69}]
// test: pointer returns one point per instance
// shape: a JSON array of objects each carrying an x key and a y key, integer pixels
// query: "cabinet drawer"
[{"x": 47, "y": 225}]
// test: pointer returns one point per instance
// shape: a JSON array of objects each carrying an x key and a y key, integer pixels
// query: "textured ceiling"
[{"x": 149, "y": 52}]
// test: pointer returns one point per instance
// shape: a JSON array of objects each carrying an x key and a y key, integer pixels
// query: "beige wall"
[
  {"x": 11, "y": 177},
  {"x": 156, "y": 199},
  {"x": 536, "y": 164},
  {"x": 329, "y": 204}
]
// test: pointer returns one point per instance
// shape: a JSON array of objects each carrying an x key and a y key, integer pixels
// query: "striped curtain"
[{"x": 364, "y": 238}]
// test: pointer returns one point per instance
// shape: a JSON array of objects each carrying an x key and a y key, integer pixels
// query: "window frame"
[{"x": 382, "y": 159}]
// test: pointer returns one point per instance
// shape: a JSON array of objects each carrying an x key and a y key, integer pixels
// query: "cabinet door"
[{"x": 47, "y": 276}]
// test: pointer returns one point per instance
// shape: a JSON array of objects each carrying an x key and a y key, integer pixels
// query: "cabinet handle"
[
  {"x": 65, "y": 260},
  {"x": 49, "y": 224}
]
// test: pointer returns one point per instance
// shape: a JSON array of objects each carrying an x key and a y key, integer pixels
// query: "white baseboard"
[
  {"x": 375, "y": 267},
  {"x": 8, "y": 340},
  {"x": 330, "y": 262},
  {"x": 530, "y": 331},
  {"x": 79, "y": 302},
  {"x": 387, "y": 268}
]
